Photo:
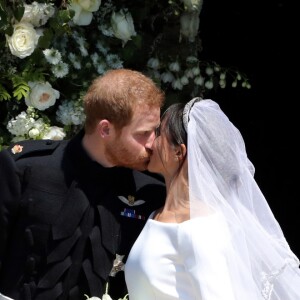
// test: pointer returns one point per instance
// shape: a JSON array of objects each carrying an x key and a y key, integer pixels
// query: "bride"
[{"x": 216, "y": 237}]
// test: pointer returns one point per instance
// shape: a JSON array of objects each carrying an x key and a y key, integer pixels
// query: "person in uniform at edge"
[{"x": 71, "y": 210}]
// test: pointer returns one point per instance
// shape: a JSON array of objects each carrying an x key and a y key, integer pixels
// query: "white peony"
[
  {"x": 24, "y": 40},
  {"x": 122, "y": 25},
  {"x": 54, "y": 133},
  {"x": 42, "y": 95},
  {"x": 37, "y": 13},
  {"x": 83, "y": 10}
]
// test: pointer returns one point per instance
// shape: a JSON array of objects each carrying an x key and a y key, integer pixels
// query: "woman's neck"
[{"x": 176, "y": 208}]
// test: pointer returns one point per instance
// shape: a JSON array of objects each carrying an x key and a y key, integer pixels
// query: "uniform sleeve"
[
  {"x": 10, "y": 190},
  {"x": 203, "y": 244}
]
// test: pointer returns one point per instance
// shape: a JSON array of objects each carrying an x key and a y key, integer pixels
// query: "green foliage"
[
  {"x": 60, "y": 24},
  {"x": 5, "y": 11},
  {"x": 19, "y": 12},
  {"x": 20, "y": 88},
  {"x": 46, "y": 39},
  {"x": 4, "y": 94},
  {"x": 10, "y": 12},
  {"x": 55, "y": 59}
]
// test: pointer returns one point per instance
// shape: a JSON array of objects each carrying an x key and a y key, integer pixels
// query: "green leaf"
[
  {"x": 3, "y": 16},
  {"x": 65, "y": 15},
  {"x": 20, "y": 88},
  {"x": 60, "y": 24},
  {"x": 4, "y": 95},
  {"x": 2, "y": 5},
  {"x": 138, "y": 41},
  {"x": 46, "y": 39},
  {"x": 19, "y": 12},
  {"x": 31, "y": 72},
  {"x": 8, "y": 29}
]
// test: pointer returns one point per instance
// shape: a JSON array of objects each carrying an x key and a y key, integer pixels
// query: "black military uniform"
[{"x": 64, "y": 219}]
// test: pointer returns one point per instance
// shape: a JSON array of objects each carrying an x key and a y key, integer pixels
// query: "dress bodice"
[{"x": 161, "y": 264}]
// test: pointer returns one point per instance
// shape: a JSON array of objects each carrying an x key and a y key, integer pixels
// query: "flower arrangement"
[
  {"x": 105, "y": 296},
  {"x": 51, "y": 50}
]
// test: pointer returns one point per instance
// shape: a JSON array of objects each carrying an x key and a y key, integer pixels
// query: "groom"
[{"x": 71, "y": 210}]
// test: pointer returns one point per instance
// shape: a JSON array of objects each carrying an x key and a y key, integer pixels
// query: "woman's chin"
[{"x": 152, "y": 169}]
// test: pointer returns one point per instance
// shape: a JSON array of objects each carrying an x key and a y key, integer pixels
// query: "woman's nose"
[{"x": 150, "y": 141}]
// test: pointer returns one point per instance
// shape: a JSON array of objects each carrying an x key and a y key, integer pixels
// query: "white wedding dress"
[
  {"x": 162, "y": 266},
  {"x": 237, "y": 253}
]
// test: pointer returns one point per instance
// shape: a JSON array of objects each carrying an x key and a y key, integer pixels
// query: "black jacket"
[{"x": 63, "y": 219}]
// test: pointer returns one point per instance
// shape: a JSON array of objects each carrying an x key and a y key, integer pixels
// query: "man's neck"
[{"x": 95, "y": 149}]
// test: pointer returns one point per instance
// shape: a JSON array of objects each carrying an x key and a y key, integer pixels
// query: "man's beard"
[{"x": 119, "y": 155}]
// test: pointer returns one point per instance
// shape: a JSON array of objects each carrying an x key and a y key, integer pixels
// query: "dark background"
[{"x": 259, "y": 38}]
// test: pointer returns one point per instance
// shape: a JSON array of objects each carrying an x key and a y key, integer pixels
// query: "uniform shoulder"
[
  {"x": 29, "y": 148},
  {"x": 146, "y": 177},
  {"x": 151, "y": 188}
]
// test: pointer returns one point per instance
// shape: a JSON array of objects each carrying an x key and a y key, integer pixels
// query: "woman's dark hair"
[{"x": 172, "y": 125}]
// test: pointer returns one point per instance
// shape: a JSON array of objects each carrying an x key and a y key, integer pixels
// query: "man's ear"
[{"x": 104, "y": 128}]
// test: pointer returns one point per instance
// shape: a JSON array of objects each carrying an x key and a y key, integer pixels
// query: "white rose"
[
  {"x": 89, "y": 5},
  {"x": 41, "y": 96},
  {"x": 24, "y": 40},
  {"x": 83, "y": 10},
  {"x": 33, "y": 133},
  {"x": 54, "y": 133},
  {"x": 122, "y": 25}
]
